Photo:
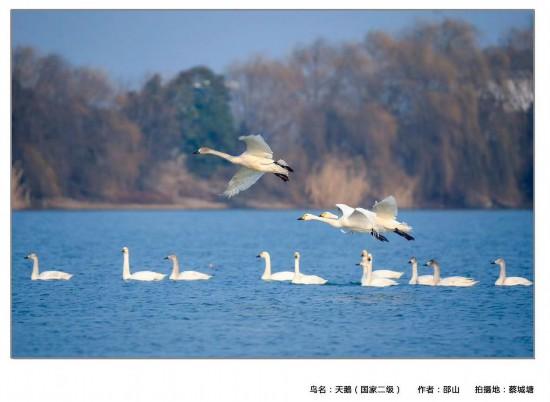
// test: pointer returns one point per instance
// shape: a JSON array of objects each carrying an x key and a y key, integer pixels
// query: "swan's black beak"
[
  {"x": 196, "y": 152},
  {"x": 166, "y": 258},
  {"x": 492, "y": 262},
  {"x": 26, "y": 257},
  {"x": 301, "y": 218},
  {"x": 258, "y": 256}
]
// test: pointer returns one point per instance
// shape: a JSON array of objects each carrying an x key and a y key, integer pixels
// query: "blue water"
[{"x": 236, "y": 314}]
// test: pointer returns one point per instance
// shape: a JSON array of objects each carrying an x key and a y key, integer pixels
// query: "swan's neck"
[
  {"x": 35, "y": 272},
  {"x": 267, "y": 271},
  {"x": 437, "y": 273},
  {"x": 297, "y": 265},
  {"x": 332, "y": 222},
  {"x": 502, "y": 274},
  {"x": 367, "y": 272},
  {"x": 126, "y": 267},
  {"x": 175, "y": 268},
  {"x": 414, "y": 276},
  {"x": 221, "y": 155}
]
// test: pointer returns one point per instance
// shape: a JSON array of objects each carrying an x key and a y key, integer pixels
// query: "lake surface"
[{"x": 235, "y": 314}]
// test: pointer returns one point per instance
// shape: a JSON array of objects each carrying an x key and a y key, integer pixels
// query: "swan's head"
[
  {"x": 328, "y": 215},
  {"x": 31, "y": 256},
  {"x": 296, "y": 255},
  {"x": 413, "y": 260},
  {"x": 306, "y": 217},
  {"x": 171, "y": 257},
  {"x": 498, "y": 261},
  {"x": 431, "y": 263},
  {"x": 366, "y": 258},
  {"x": 202, "y": 151},
  {"x": 263, "y": 254},
  {"x": 125, "y": 250}
]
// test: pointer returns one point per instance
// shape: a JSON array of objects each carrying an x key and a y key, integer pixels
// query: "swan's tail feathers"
[
  {"x": 281, "y": 176},
  {"x": 378, "y": 236},
  {"x": 284, "y": 165},
  {"x": 403, "y": 234}
]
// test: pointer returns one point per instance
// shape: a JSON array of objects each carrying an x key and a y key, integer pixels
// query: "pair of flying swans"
[
  {"x": 36, "y": 275},
  {"x": 295, "y": 277},
  {"x": 381, "y": 219},
  {"x": 149, "y": 276},
  {"x": 254, "y": 162}
]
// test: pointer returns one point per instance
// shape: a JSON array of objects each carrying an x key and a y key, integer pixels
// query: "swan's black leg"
[
  {"x": 281, "y": 176},
  {"x": 403, "y": 234}
]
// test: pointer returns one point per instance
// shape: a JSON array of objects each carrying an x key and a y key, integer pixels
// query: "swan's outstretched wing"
[
  {"x": 370, "y": 217},
  {"x": 256, "y": 145},
  {"x": 387, "y": 208},
  {"x": 243, "y": 179},
  {"x": 345, "y": 210}
]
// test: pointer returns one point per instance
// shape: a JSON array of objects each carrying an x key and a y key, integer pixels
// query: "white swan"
[
  {"x": 419, "y": 280},
  {"x": 368, "y": 278},
  {"x": 351, "y": 220},
  {"x": 503, "y": 280},
  {"x": 301, "y": 279},
  {"x": 278, "y": 276},
  {"x": 137, "y": 276},
  {"x": 366, "y": 257},
  {"x": 449, "y": 281},
  {"x": 176, "y": 275},
  {"x": 46, "y": 275},
  {"x": 255, "y": 161},
  {"x": 382, "y": 217}
]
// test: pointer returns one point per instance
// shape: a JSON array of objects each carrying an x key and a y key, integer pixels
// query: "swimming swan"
[
  {"x": 351, "y": 220},
  {"x": 254, "y": 162},
  {"x": 176, "y": 275},
  {"x": 301, "y": 279},
  {"x": 46, "y": 275},
  {"x": 368, "y": 278},
  {"x": 380, "y": 273},
  {"x": 419, "y": 280},
  {"x": 278, "y": 276},
  {"x": 503, "y": 280},
  {"x": 137, "y": 276},
  {"x": 449, "y": 281}
]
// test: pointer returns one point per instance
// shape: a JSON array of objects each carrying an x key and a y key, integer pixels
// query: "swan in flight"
[
  {"x": 368, "y": 278},
  {"x": 419, "y": 280},
  {"x": 46, "y": 275},
  {"x": 301, "y": 279},
  {"x": 351, "y": 220},
  {"x": 449, "y": 281},
  {"x": 176, "y": 275},
  {"x": 503, "y": 280},
  {"x": 137, "y": 276},
  {"x": 366, "y": 258},
  {"x": 254, "y": 162},
  {"x": 278, "y": 276}
]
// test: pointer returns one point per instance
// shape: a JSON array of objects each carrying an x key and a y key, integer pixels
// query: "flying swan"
[
  {"x": 351, "y": 220},
  {"x": 368, "y": 278},
  {"x": 254, "y": 162},
  {"x": 419, "y": 280},
  {"x": 46, "y": 275},
  {"x": 278, "y": 276},
  {"x": 503, "y": 280},
  {"x": 176, "y": 275},
  {"x": 301, "y": 279},
  {"x": 366, "y": 258},
  {"x": 449, "y": 281},
  {"x": 383, "y": 218},
  {"x": 137, "y": 276}
]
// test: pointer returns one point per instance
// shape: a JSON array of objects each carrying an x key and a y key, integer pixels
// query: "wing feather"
[
  {"x": 387, "y": 208},
  {"x": 243, "y": 179},
  {"x": 256, "y": 145}
]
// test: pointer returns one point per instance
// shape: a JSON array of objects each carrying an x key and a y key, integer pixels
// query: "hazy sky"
[{"x": 131, "y": 44}]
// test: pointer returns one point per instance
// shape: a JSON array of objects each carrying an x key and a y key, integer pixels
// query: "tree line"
[{"x": 428, "y": 115}]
